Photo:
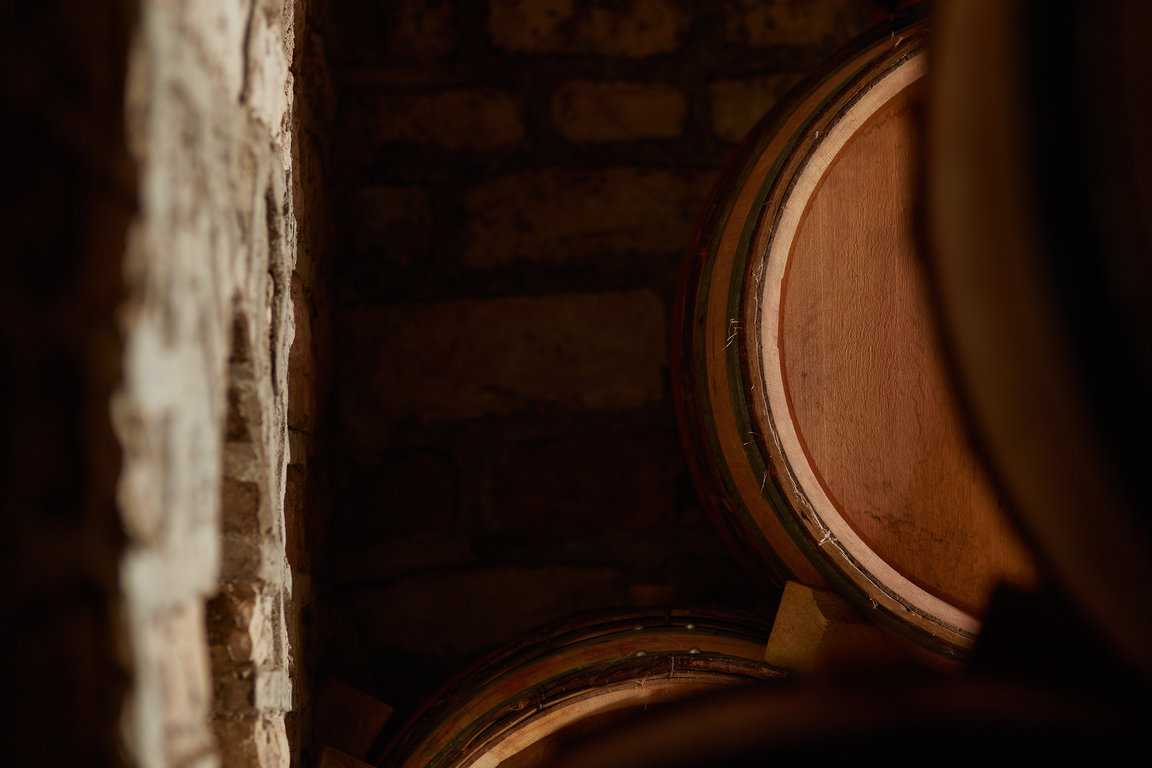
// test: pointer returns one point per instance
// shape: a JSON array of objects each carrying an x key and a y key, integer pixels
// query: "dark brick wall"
[{"x": 513, "y": 185}]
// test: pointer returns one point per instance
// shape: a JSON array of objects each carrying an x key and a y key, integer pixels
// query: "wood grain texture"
[
  {"x": 867, "y": 383},
  {"x": 517, "y": 705},
  {"x": 810, "y": 387}
]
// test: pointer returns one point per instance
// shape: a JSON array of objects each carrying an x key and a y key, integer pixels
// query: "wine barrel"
[
  {"x": 956, "y": 721},
  {"x": 813, "y": 394},
  {"x": 514, "y": 707},
  {"x": 1039, "y": 201}
]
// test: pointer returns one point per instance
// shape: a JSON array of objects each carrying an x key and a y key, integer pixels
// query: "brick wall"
[
  {"x": 514, "y": 183},
  {"x": 201, "y": 413}
]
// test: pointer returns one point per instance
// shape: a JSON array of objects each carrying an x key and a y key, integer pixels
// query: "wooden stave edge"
[
  {"x": 687, "y": 351},
  {"x": 802, "y": 559},
  {"x": 660, "y": 677},
  {"x": 727, "y": 630},
  {"x": 825, "y": 536}
]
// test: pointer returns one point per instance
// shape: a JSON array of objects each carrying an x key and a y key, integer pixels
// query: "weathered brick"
[
  {"x": 524, "y": 25},
  {"x": 258, "y": 741},
  {"x": 638, "y": 28},
  {"x": 588, "y": 111},
  {"x": 557, "y": 215},
  {"x": 251, "y": 557},
  {"x": 473, "y": 118},
  {"x": 469, "y": 359},
  {"x": 251, "y": 690},
  {"x": 268, "y": 87},
  {"x": 827, "y": 23},
  {"x": 240, "y": 505},
  {"x": 178, "y": 641},
  {"x": 217, "y": 28},
  {"x": 738, "y": 104},
  {"x": 393, "y": 224},
  {"x": 422, "y": 29},
  {"x": 243, "y": 624},
  {"x": 206, "y": 90},
  {"x": 186, "y": 566}
]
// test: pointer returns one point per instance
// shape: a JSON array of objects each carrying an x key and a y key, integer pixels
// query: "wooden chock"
[
  {"x": 817, "y": 629},
  {"x": 349, "y": 720}
]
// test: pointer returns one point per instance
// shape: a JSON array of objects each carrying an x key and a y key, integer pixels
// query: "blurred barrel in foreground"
[
  {"x": 956, "y": 721},
  {"x": 515, "y": 707},
  {"x": 813, "y": 392},
  {"x": 1039, "y": 176}
]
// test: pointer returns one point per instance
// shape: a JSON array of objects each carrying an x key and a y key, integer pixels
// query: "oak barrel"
[
  {"x": 1039, "y": 201},
  {"x": 813, "y": 393},
  {"x": 956, "y": 721},
  {"x": 514, "y": 707}
]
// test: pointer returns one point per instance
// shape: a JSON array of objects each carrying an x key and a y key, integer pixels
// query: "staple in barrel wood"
[{"x": 734, "y": 329}]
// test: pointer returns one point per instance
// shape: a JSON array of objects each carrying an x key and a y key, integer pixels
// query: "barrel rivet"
[
  {"x": 690, "y": 626},
  {"x": 693, "y": 650},
  {"x": 641, "y": 653}
]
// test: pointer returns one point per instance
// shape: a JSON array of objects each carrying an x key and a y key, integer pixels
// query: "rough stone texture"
[
  {"x": 217, "y": 28},
  {"x": 616, "y": 111},
  {"x": 207, "y": 324},
  {"x": 475, "y": 118},
  {"x": 268, "y": 87},
  {"x": 556, "y": 215},
  {"x": 472, "y": 359},
  {"x": 351, "y": 720},
  {"x": 422, "y": 29},
  {"x": 637, "y": 29},
  {"x": 183, "y": 681},
  {"x": 828, "y": 23},
  {"x": 737, "y": 105},
  {"x": 254, "y": 740}
]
